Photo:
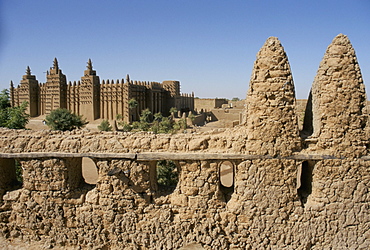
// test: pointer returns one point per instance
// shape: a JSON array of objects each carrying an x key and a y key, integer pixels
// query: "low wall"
[
  {"x": 269, "y": 201},
  {"x": 207, "y": 105},
  {"x": 227, "y": 116}
]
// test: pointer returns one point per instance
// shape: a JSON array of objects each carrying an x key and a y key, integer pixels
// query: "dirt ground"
[
  {"x": 36, "y": 123},
  {"x": 89, "y": 170}
]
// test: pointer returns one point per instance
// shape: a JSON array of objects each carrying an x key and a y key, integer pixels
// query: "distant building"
[{"x": 94, "y": 99}]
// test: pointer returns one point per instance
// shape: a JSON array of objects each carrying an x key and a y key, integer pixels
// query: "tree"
[
  {"x": 235, "y": 99},
  {"x": 158, "y": 117},
  {"x": 145, "y": 115},
  {"x": 167, "y": 174},
  {"x": 166, "y": 125},
  {"x": 156, "y": 121},
  {"x": 4, "y": 99},
  {"x": 105, "y": 126},
  {"x": 173, "y": 111},
  {"x": 182, "y": 123},
  {"x": 12, "y": 117},
  {"x": 145, "y": 119},
  {"x": 126, "y": 127},
  {"x": 3, "y": 117},
  {"x": 17, "y": 117},
  {"x": 4, "y": 105},
  {"x": 132, "y": 104},
  {"x": 64, "y": 119},
  {"x": 192, "y": 118}
]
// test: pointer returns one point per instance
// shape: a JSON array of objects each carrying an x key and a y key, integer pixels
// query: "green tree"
[
  {"x": 145, "y": 116},
  {"x": 192, "y": 118},
  {"x": 155, "y": 127},
  {"x": 105, "y": 126},
  {"x": 4, "y": 99},
  {"x": 17, "y": 117},
  {"x": 173, "y": 111},
  {"x": 166, "y": 125},
  {"x": 4, "y": 104},
  {"x": 158, "y": 116},
  {"x": 125, "y": 126},
  {"x": 3, "y": 117},
  {"x": 235, "y": 99},
  {"x": 132, "y": 104},
  {"x": 167, "y": 174},
  {"x": 64, "y": 119},
  {"x": 12, "y": 117},
  {"x": 156, "y": 121},
  {"x": 145, "y": 120},
  {"x": 180, "y": 124},
  {"x": 136, "y": 125}
]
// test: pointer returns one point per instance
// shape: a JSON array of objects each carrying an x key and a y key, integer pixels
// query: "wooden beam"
[{"x": 155, "y": 156}]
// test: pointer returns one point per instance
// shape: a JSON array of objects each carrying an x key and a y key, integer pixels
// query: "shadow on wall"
[
  {"x": 304, "y": 180},
  {"x": 11, "y": 177},
  {"x": 308, "y": 119}
]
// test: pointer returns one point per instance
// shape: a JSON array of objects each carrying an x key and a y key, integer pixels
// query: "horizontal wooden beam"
[
  {"x": 28, "y": 155},
  {"x": 155, "y": 156}
]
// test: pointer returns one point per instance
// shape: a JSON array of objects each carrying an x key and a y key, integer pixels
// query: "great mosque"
[{"x": 97, "y": 100}]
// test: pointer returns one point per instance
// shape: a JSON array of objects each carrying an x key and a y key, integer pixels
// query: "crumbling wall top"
[
  {"x": 271, "y": 123},
  {"x": 339, "y": 102}
]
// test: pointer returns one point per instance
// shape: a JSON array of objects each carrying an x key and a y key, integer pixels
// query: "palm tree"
[
  {"x": 173, "y": 111},
  {"x": 132, "y": 104}
]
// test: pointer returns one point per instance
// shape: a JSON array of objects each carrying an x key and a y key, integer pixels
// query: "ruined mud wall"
[
  {"x": 284, "y": 190},
  {"x": 337, "y": 103}
]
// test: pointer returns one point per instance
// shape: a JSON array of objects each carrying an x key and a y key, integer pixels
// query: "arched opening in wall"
[
  {"x": 226, "y": 173},
  {"x": 11, "y": 177},
  {"x": 89, "y": 170},
  {"x": 304, "y": 180},
  {"x": 167, "y": 176}
]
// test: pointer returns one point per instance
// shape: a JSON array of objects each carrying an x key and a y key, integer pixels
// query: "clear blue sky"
[{"x": 208, "y": 45}]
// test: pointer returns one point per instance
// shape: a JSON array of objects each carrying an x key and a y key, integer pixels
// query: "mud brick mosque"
[{"x": 94, "y": 99}]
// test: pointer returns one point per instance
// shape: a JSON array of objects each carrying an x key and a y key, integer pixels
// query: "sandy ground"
[
  {"x": 37, "y": 124},
  {"x": 89, "y": 170}
]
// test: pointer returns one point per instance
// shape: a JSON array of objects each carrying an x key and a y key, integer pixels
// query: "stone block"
[
  {"x": 12, "y": 195},
  {"x": 179, "y": 200}
]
